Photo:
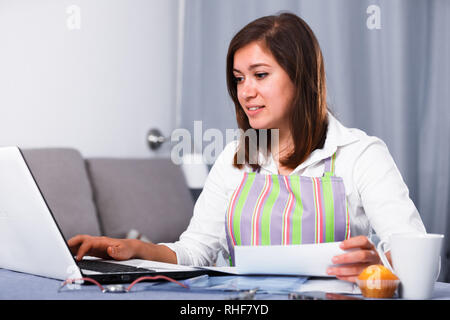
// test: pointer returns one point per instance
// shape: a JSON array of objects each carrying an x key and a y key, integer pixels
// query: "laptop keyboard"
[{"x": 108, "y": 267}]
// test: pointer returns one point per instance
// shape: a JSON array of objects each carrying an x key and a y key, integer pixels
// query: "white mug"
[{"x": 416, "y": 262}]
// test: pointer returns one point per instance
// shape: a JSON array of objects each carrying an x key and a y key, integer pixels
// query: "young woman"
[{"x": 322, "y": 182}]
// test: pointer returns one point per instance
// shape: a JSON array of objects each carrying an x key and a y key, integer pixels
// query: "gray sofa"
[{"x": 111, "y": 196}]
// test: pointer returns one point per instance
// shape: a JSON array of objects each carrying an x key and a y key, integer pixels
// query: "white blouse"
[{"x": 377, "y": 196}]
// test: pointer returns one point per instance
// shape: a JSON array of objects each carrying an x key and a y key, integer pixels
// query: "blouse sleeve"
[
  {"x": 384, "y": 194},
  {"x": 204, "y": 238}
]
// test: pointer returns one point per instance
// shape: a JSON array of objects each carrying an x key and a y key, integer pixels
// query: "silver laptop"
[{"x": 31, "y": 241}]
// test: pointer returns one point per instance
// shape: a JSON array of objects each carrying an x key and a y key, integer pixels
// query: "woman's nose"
[{"x": 248, "y": 90}]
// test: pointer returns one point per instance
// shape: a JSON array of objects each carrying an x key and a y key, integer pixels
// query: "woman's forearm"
[{"x": 154, "y": 252}]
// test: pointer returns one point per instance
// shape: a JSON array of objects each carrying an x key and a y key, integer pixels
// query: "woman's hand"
[
  {"x": 354, "y": 262},
  {"x": 102, "y": 247},
  {"x": 119, "y": 249}
]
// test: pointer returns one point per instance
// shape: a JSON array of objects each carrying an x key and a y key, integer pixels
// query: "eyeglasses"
[{"x": 118, "y": 288}]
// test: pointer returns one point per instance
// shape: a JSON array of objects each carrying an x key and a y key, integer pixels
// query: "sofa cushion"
[
  {"x": 61, "y": 175},
  {"x": 148, "y": 195}
]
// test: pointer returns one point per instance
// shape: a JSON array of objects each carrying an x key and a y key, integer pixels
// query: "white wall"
[{"x": 99, "y": 88}]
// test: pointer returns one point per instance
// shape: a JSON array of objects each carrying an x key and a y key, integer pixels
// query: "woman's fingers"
[
  {"x": 83, "y": 249},
  {"x": 83, "y": 245},
  {"x": 356, "y": 256},
  {"x": 348, "y": 278},
  {"x": 361, "y": 242},
  {"x": 119, "y": 252},
  {"x": 350, "y": 264},
  {"x": 74, "y": 243},
  {"x": 102, "y": 247},
  {"x": 350, "y": 270}
]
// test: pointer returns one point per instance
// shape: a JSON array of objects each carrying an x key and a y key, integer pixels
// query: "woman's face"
[{"x": 264, "y": 89}]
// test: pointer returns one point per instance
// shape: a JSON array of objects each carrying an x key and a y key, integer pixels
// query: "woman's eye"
[
  {"x": 261, "y": 75},
  {"x": 238, "y": 79}
]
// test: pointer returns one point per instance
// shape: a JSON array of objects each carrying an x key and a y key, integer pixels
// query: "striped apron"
[{"x": 282, "y": 210}]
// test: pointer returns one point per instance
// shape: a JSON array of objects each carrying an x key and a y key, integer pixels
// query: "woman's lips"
[{"x": 253, "y": 110}]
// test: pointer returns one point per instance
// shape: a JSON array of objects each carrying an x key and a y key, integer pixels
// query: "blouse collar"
[{"x": 337, "y": 136}]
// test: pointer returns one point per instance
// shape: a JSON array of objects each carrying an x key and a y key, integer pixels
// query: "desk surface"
[{"x": 20, "y": 286}]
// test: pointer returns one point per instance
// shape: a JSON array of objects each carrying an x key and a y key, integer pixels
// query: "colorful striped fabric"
[{"x": 282, "y": 210}]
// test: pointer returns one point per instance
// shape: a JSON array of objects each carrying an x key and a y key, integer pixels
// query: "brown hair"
[{"x": 296, "y": 49}]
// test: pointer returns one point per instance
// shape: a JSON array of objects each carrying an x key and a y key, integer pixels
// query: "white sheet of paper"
[
  {"x": 299, "y": 260},
  {"x": 305, "y": 259}
]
